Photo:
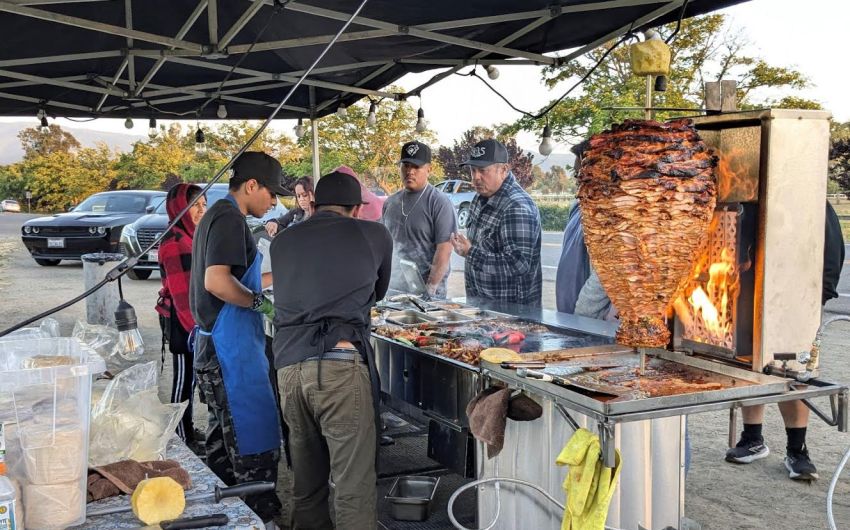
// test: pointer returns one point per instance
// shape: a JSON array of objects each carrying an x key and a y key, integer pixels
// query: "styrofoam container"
[{"x": 45, "y": 390}]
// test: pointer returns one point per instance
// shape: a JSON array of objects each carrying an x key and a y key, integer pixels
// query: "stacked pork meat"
[{"x": 647, "y": 195}]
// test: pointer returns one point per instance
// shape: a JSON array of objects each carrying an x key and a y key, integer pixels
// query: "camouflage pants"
[{"x": 221, "y": 448}]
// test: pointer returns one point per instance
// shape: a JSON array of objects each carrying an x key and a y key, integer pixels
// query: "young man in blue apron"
[
  {"x": 243, "y": 435},
  {"x": 330, "y": 270}
]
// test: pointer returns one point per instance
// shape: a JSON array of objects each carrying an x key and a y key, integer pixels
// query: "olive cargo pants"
[{"x": 331, "y": 436}]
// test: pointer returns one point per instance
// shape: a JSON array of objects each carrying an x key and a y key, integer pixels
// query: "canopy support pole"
[{"x": 314, "y": 131}]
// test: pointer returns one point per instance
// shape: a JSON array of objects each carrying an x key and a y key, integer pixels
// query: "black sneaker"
[
  {"x": 747, "y": 451},
  {"x": 800, "y": 466}
]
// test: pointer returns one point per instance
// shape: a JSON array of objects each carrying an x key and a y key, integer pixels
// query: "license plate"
[
  {"x": 56, "y": 242},
  {"x": 153, "y": 255}
]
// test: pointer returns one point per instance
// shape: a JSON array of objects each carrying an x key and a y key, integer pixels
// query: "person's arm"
[
  {"x": 520, "y": 234},
  {"x": 439, "y": 266},
  {"x": 221, "y": 283},
  {"x": 267, "y": 280}
]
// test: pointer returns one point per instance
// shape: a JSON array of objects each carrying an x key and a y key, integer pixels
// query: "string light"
[
  {"x": 341, "y": 111},
  {"x": 128, "y": 123},
  {"x": 492, "y": 72},
  {"x": 200, "y": 141},
  {"x": 40, "y": 114},
  {"x": 546, "y": 146},
  {"x": 152, "y": 127},
  {"x": 45, "y": 127},
  {"x": 421, "y": 125},
  {"x": 372, "y": 118},
  {"x": 300, "y": 129},
  {"x": 221, "y": 112}
]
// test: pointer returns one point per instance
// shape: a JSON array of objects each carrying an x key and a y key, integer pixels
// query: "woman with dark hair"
[
  {"x": 305, "y": 198},
  {"x": 175, "y": 266}
]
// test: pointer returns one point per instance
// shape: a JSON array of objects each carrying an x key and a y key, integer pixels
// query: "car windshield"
[{"x": 114, "y": 202}]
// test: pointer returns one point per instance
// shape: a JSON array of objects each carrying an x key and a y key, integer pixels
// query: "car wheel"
[
  {"x": 47, "y": 262},
  {"x": 139, "y": 274},
  {"x": 462, "y": 217}
]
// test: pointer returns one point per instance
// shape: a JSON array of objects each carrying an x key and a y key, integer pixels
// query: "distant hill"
[
  {"x": 10, "y": 146},
  {"x": 565, "y": 160}
]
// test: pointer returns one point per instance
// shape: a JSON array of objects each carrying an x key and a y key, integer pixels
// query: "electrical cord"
[
  {"x": 678, "y": 23},
  {"x": 130, "y": 262},
  {"x": 548, "y": 108}
]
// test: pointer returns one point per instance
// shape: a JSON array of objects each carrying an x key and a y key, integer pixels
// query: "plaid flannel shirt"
[
  {"x": 504, "y": 260},
  {"x": 175, "y": 266}
]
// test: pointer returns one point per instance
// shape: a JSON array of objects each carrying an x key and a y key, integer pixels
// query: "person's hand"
[
  {"x": 266, "y": 308},
  {"x": 431, "y": 290},
  {"x": 461, "y": 244},
  {"x": 271, "y": 228}
]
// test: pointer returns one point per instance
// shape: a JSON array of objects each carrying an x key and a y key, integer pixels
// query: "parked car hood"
[{"x": 85, "y": 219}]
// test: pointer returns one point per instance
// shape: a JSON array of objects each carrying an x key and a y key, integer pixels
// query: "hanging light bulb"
[
  {"x": 44, "y": 127},
  {"x": 221, "y": 112},
  {"x": 40, "y": 114},
  {"x": 341, "y": 111},
  {"x": 130, "y": 345},
  {"x": 152, "y": 127},
  {"x": 492, "y": 72},
  {"x": 200, "y": 142},
  {"x": 372, "y": 118},
  {"x": 300, "y": 129},
  {"x": 128, "y": 123},
  {"x": 421, "y": 125},
  {"x": 546, "y": 145}
]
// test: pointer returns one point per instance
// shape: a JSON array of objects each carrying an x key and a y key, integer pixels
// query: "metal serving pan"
[{"x": 409, "y": 317}]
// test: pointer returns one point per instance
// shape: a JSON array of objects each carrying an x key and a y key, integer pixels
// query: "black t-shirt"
[
  {"x": 833, "y": 255},
  {"x": 221, "y": 238},
  {"x": 329, "y": 267}
]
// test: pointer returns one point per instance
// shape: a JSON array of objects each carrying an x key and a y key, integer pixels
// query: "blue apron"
[{"x": 240, "y": 346}]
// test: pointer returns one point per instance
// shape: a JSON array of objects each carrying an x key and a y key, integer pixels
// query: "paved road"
[{"x": 550, "y": 252}]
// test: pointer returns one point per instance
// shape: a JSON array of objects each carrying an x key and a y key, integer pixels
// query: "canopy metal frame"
[{"x": 132, "y": 89}]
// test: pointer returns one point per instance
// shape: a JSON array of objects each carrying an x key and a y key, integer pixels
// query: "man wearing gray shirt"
[{"x": 421, "y": 220}]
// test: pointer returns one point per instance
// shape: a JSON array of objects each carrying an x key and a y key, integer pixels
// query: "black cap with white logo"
[
  {"x": 415, "y": 153},
  {"x": 486, "y": 153}
]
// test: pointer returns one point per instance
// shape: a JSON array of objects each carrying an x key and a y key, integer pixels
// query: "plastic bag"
[
  {"x": 47, "y": 328},
  {"x": 129, "y": 421},
  {"x": 104, "y": 340}
]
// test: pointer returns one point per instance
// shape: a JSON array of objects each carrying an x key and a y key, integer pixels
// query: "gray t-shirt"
[{"x": 426, "y": 220}]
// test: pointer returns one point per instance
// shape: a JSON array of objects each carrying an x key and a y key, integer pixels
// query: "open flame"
[{"x": 707, "y": 305}]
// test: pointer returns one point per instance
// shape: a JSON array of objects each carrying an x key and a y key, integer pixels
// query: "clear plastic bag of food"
[
  {"x": 104, "y": 340},
  {"x": 129, "y": 421}
]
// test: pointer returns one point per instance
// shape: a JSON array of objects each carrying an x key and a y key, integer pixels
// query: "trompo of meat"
[{"x": 647, "y": 194}]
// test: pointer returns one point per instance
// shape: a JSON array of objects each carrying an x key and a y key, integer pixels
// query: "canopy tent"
[{"x": 168, "y": 58}]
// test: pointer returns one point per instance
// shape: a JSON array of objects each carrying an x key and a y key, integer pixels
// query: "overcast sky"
[{"x": 810, "y": 36}]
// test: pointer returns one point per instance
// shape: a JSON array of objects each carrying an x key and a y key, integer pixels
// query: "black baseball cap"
[
  {"x": 486, "y": 153},
  {"x": 263, "y": 168},
  {"x": 339, "y": 189},
  {"x": 415, "y": 153}
]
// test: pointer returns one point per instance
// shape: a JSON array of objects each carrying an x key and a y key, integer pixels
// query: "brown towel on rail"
[
  {"x": 487, "y": 414},
  {"x": 123, "y": 477}
]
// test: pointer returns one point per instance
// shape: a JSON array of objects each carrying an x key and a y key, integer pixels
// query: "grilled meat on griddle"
[{"x": 647, "y": 193}]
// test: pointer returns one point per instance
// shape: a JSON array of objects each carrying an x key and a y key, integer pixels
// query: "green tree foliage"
[
  {"x": 839, "y": 155},
  {"x": 705, "y": 49},
  {"x": 35, "y": 142},
  {"x": 371, "y": 151},
  {"x": 555, "y": 180},
  {"x": 451, "y": 158}
]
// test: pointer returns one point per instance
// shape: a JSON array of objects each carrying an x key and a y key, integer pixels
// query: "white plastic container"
[{"x": 45, "y": 389}]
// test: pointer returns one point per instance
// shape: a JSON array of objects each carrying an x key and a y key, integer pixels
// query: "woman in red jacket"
[{"x": 175, "y": 266}]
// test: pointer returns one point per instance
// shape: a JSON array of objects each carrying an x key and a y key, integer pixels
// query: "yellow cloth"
[{"x": 589, "y": 485}]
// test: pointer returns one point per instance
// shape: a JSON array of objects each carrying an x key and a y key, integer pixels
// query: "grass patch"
[
  {"x": 845, "y": 230},
  {"x": 842, "y": 208}
]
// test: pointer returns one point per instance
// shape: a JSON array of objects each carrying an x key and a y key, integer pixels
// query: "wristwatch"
[{"x": 259, "y": 297}]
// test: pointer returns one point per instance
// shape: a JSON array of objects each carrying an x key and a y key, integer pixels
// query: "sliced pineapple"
[{"x": 158, "y": 499}]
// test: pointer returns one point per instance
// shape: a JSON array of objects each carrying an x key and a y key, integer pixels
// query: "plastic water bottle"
[{"x": 9, "y": 518}]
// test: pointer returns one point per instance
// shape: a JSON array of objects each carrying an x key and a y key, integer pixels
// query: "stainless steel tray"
[{"x": 409, "y": 317}]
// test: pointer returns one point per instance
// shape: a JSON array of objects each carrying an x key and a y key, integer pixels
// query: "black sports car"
[{"x": 93, "y": 226}]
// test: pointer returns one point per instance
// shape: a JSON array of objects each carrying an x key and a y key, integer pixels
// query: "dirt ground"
[{"x": 719, "y": 496}]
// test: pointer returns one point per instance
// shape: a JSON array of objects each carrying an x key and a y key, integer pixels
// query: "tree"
[
  {"x": 371, "y": 151},
  {"x": 705, "y": 49},
  {"x": 451, "y": 158},
  {"x": 54, "y": 140},
  {"x": 556, "y": 180},
  {"x": 839, "y": 155}
]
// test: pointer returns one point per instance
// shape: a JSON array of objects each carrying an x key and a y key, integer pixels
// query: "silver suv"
[{"x": 461, "y": 194}]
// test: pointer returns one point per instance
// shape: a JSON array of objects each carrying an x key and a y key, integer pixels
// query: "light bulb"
[
  {"x": 200, "y": 142},
  {"x": 492, "y": 72},
  {"x": 546, "y": 145},
  {"x": 40, "y": 114},
  {"x": 221, "y": 112},
  {"x": 128, "y": 123},
  {"x": 421, "y": 125},
  {"x": 341, "y": 111},
  {"x": 372, "y": 118},
  {"x": 300, "y": 129},
  {"x": 152, "y": 127},
  {"x": 130, "y": 345},
  {"x": 45, "y": 127}
]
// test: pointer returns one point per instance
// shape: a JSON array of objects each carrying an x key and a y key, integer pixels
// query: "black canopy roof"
[{"x": 164, "y": 58}]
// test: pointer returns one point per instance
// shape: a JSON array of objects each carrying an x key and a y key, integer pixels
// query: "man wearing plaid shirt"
[{"x": 502, "y": 249}]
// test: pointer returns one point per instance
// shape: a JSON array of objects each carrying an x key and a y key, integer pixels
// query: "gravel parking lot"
[{"x": 719, "y": 495}]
